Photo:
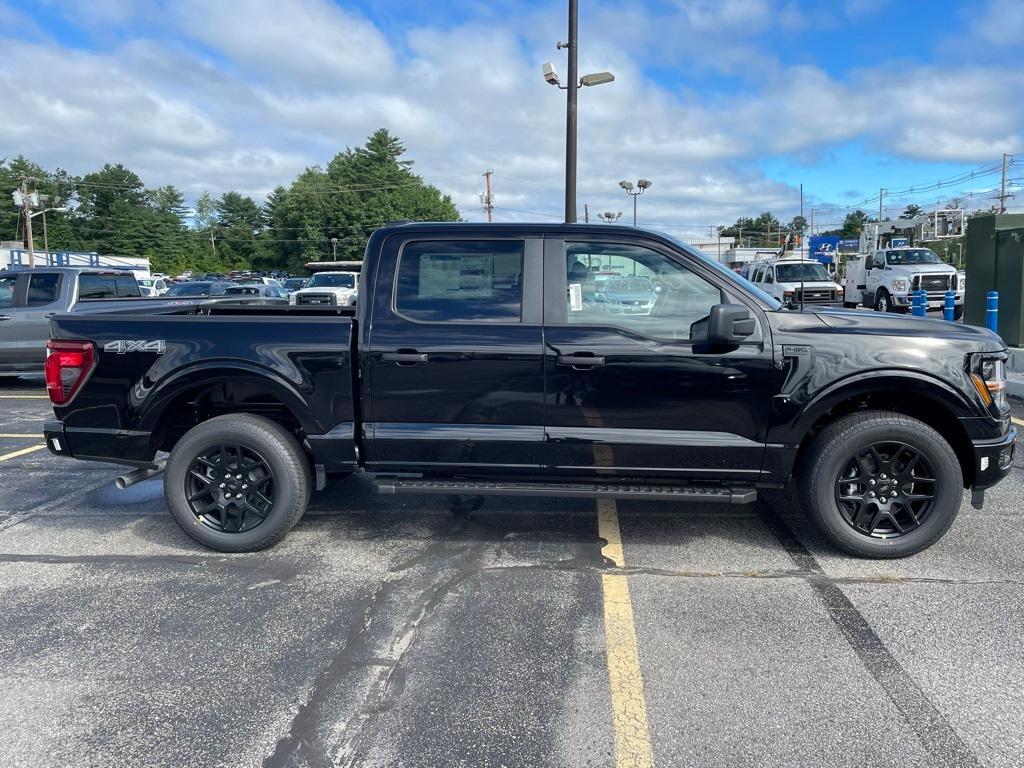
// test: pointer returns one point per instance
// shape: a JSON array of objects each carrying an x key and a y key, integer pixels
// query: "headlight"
[
  {"x": 899, "y": 286},
  {"x": 989, "y": 376},
  {"x": 787, "y": 297}
]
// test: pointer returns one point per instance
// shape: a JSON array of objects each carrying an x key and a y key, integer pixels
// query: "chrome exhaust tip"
[{"x": 138, "y": 475}]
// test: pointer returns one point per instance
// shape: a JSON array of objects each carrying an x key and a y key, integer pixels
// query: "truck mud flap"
[{"x": 696, "y": 493}]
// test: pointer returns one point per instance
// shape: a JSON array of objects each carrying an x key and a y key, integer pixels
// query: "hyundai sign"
[
  {"x": 824, "y": 247},
  {"x": 849, "y": 245}
]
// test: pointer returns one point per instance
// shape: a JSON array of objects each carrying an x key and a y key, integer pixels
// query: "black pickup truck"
[{"x": 491, "y": 360}]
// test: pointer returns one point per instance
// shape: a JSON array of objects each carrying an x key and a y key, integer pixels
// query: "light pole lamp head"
[
  {"x": 643, "y": 183},
  {"x": 550, "y": 74},
  {"x": 626, "y": 185},
  {"x": 597, "y": 78}
]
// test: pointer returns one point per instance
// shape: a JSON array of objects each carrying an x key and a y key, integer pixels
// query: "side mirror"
[{"x": 730, "y": 324}]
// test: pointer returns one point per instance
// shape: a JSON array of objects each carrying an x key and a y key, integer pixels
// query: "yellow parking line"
[
  {"x": 22, "y": 452},
  {"x": 24, "y": 397},
  {"x": 629, "y": 710},
  {"x": 1018, "y": 422},
  {"x": 33, "y": 435}
]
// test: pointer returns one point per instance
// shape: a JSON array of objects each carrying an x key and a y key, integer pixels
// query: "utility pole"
[
  {"x": 586, "y": 213},
  {"x": 489, "y": 197},
  {"x": 1002, "y": 186},
  {"x": 27, "y": 203},
  {"x": 571, "y": 96},
  {"x": 802, "y": 219},
  {"x": 878, "y": 227},
  {"x": 46, "y": 240}
]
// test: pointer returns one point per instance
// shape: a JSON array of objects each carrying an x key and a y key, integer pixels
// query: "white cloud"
[{"x": 243, "y": 95}]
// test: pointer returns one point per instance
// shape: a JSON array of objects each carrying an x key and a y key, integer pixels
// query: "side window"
[
  {"x": 7, "y": 291},
  {"x": 635, "y": 288},
  {"x": 769, "y": 275},
  {"x": 878, "y": 261},
  {"x": 92, "y": 286},
  {"x": 461, "y": 281},
  {"x": 43, "y": 289},
  {"x": 755, "y": 275}
]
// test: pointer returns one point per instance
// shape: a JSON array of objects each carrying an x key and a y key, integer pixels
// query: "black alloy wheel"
[
  {"x": 886, "y": 490},
  {"x": 230, "y": 488}
]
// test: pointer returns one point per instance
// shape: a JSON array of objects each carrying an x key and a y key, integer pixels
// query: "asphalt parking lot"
[{"x": 389, "y": 632}]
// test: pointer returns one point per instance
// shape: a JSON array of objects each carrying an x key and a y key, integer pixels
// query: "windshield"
[
  {"x": 190, "y": 289},
  {"x": 732, "y": 277},
  {"x": 795, "y": 273},
  {"x": 915, "y": 256},
  {"x": 294, "y": 283},
  {"x": 332, "y": 281}
]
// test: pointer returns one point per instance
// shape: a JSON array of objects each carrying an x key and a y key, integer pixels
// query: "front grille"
[
  {"x": 316, "y": 298},
  {"x": 933, "y": 283},
  {"x": 816, "y": 295}
]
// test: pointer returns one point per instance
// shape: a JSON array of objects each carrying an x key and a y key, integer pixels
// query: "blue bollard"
[
  {"x": 992, "y": 311},
  {"x": 919, "y": 303},
  {"x": 947, "y": 309}
]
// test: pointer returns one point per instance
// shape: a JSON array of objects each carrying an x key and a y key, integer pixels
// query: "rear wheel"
[
  {"x": 882, "y": 485},
  {"x": 237, "y": 483},
  {"x": 958, "y": 312}
]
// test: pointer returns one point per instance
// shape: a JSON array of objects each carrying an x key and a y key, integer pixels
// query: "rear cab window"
[
  {"x": 95, "y": 285},
  {"x": 460, "y": 281}
]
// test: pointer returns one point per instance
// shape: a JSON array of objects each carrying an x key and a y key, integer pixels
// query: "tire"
[
  {"x": 958, "y": 312},
  {"x": 268, "y": 464},
  {"x": 831, "y": 456},
  {"x": 883, "y": 303},
  {"x": 850, "y": 304}
]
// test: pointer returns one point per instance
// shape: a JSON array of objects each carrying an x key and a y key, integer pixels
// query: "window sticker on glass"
[
  {"x": 444, "y": 275},
  {"x": 575, "y": 297}
]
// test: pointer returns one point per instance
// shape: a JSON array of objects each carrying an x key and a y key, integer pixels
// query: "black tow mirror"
[{"x": 730, "y": 324}]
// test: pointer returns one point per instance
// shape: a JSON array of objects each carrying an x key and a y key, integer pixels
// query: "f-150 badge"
[{"x": 124, "y": 346}]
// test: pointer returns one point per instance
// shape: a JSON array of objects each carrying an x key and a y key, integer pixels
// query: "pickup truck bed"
[{"x": 490, "y": 359}]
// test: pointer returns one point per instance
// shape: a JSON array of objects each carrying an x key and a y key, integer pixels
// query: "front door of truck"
[
  {"x": 628, "y": 391},
  {"x": 454, "y": 358}
]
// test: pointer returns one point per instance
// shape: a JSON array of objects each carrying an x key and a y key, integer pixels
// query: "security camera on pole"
[{"x": 597, "y": 78}]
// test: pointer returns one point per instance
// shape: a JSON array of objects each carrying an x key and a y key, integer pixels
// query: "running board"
[{"x": 696, "y": 493}]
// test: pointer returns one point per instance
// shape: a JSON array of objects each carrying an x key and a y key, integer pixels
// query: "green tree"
[
  {"x": 238, "y": 220},
  {"x": 854, "y": 223},
  {"x": 912, "y": 211}
]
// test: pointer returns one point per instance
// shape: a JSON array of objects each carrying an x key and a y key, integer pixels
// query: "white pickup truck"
[{"x": 887, "y": 279}]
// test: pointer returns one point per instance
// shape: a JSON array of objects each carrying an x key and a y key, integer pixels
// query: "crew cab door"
[
  {"x": 32, "y": 320},
  {"x": 453, "y": 361},
  {"x": 8, "y": 333},
  {"x": 628, "y": 392}
]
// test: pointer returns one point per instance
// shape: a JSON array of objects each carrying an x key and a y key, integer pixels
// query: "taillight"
[{"x": 67, "y": 365}]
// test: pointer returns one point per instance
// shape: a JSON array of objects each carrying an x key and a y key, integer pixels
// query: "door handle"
[
  {"x": 404, "y": 357},
  {"x": 581, "y": 360}
]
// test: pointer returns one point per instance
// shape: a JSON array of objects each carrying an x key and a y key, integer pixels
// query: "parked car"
[
  {"x": 28, "y": 297},
  {"x": 293, "y": 284},
  {"x": 154, "y": 286},
  {"x": 795, "y": 281},
  {"x": 473, "y": 368},
  {"x": 197, "y": 288},
  {"x": 627, "y": 295},
  {"x": 269, "y": 294},
  {"x": 259, "y": 281},
  {"x": 886, "y": 280},
  {"x": 329, "y": 288}
]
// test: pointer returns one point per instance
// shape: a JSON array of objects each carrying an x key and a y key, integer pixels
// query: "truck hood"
[
  {"x": 922, "y": 269},
  {"x": 886, "y": 324},
  {"x": 810, "y": 284},
  {"x": 327, "y": 289}
]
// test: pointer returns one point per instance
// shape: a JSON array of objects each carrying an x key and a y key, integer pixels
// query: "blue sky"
[{"x": 727, "y": 105}]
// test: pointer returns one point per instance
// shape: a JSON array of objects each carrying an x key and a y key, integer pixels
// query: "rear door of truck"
[{"x": 453, "y": 362}]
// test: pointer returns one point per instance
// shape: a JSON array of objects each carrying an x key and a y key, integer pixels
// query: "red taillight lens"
[{"x": 67, "y": 365}]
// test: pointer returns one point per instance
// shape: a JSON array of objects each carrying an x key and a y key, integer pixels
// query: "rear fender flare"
[{"x": 209, "y": 373}]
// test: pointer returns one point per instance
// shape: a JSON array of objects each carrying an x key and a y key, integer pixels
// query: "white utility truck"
[{"x": 887, "y": 279}]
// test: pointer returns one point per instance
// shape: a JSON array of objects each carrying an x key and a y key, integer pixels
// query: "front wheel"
[
  {"x": 881, "y": 485},
  {"x": 884, "y": 303},
  {"x": 958, "y": 312},
  {"x": 237, "y": 483}
]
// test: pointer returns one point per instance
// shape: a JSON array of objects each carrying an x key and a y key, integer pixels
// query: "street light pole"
[
  {"x": 641, "y": 186},
  {"x": 571, "y": 115},
  {"x": 334, "y": 248}
]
